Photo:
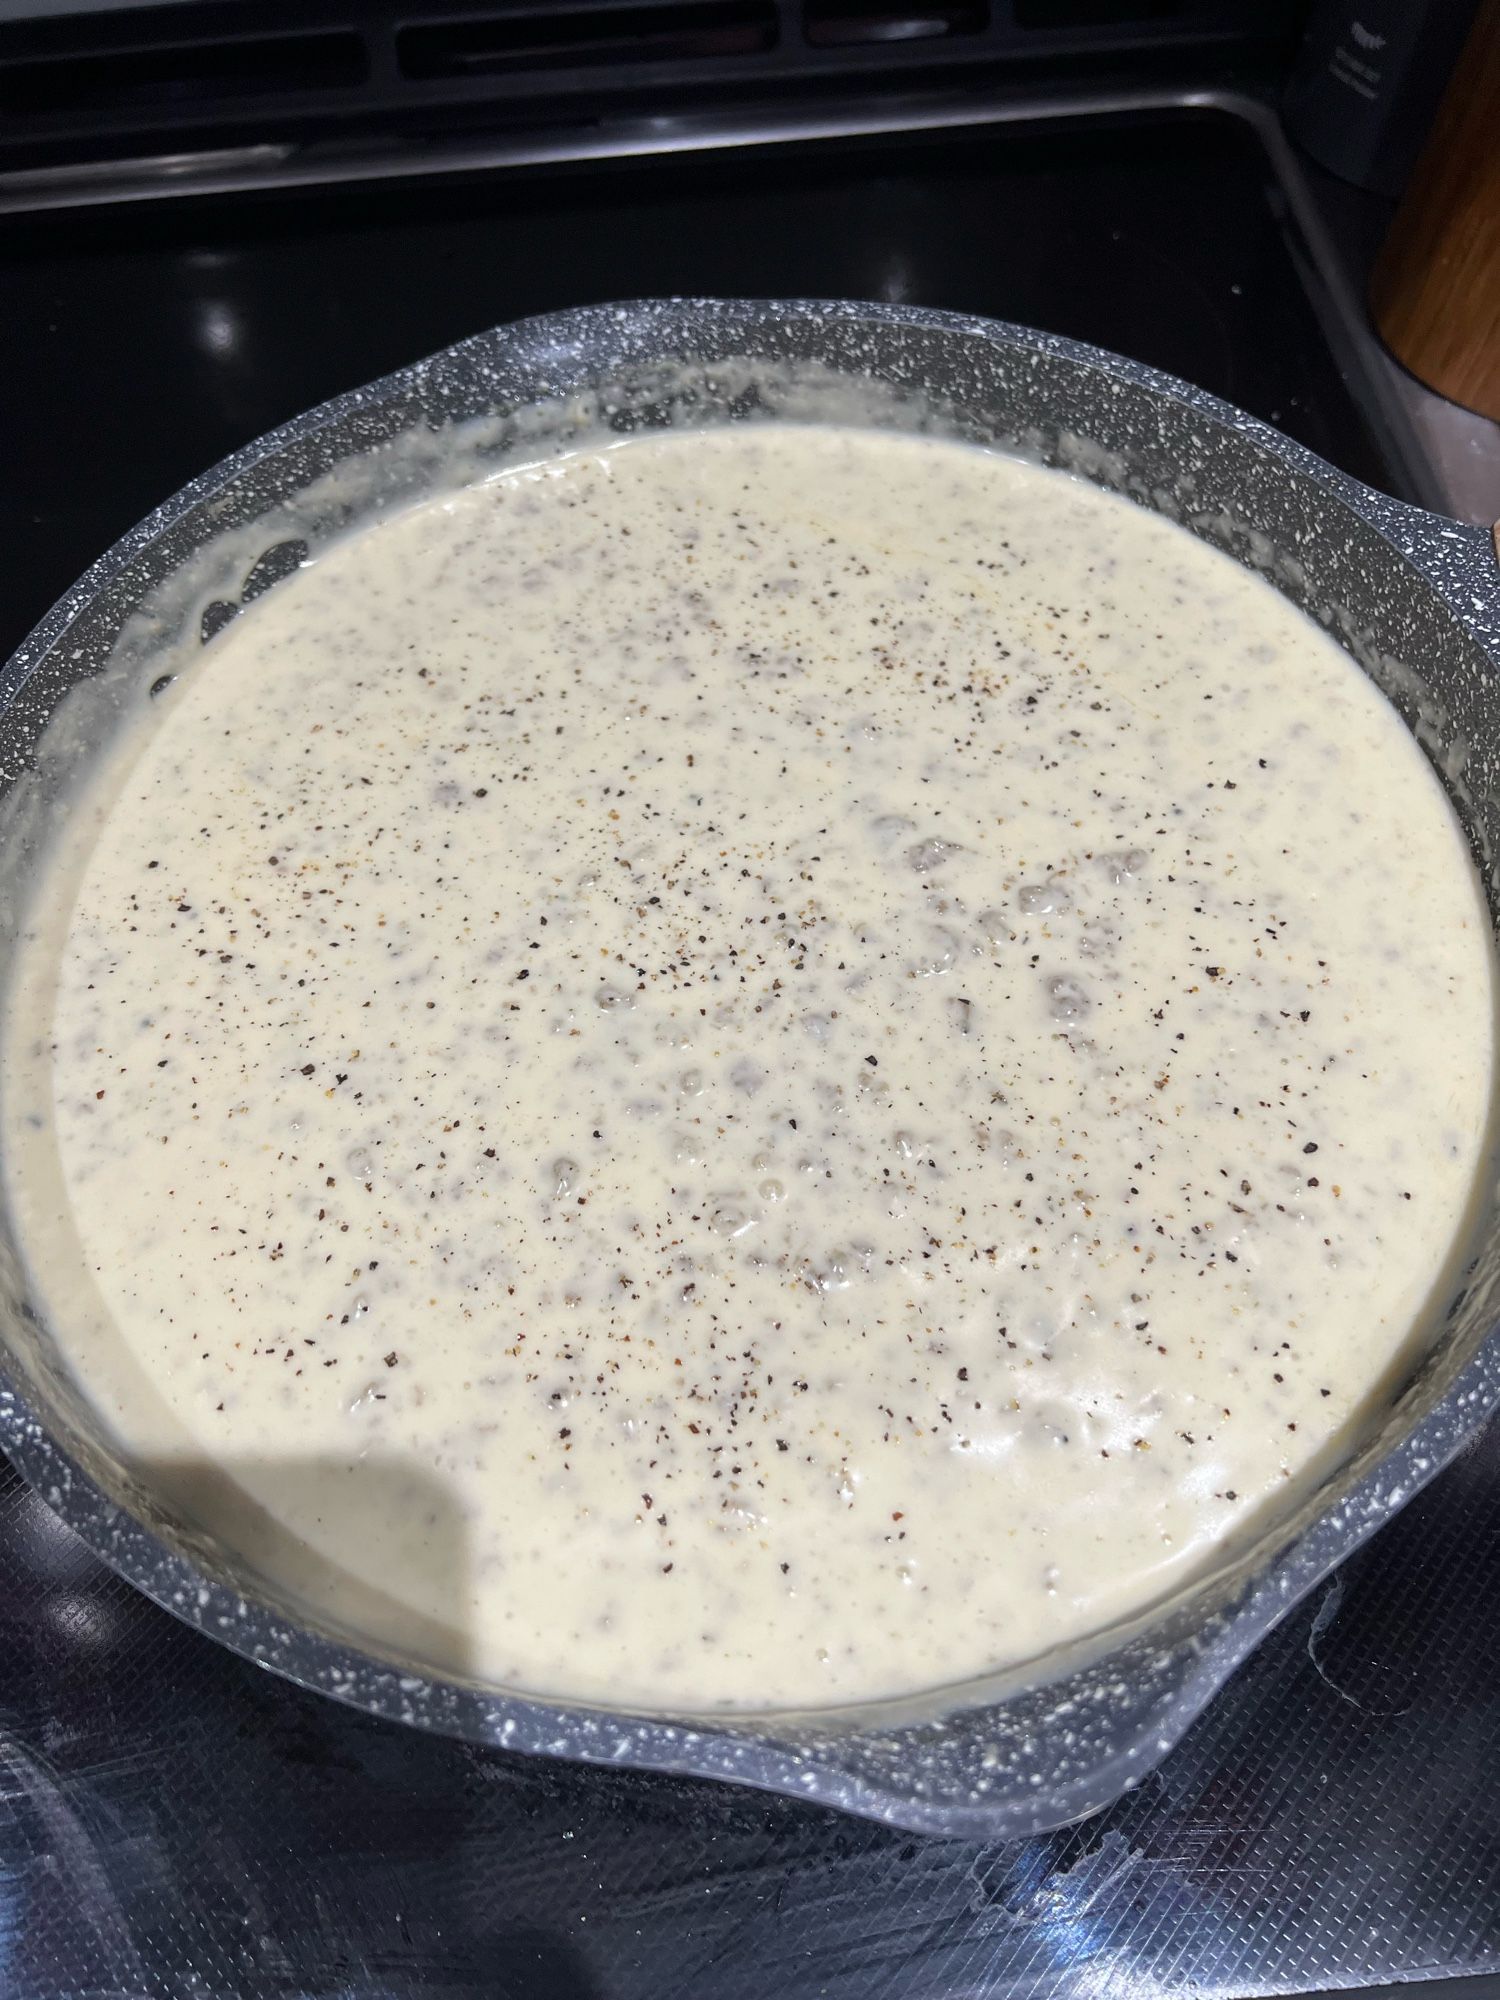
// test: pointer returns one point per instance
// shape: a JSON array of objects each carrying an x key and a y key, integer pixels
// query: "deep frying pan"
[{"x": 1413, "y": 597}]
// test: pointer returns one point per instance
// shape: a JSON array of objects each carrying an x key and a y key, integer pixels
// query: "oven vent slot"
[
  {"x": 1127, "y": 14},
  {"x": 174, "y": 74},
  {"x": 580, "y": 37},
  {"x": 831, "y": 24}
]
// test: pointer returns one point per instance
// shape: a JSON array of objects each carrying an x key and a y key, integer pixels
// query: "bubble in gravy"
[
  {"x": 1068, "y": 999},
  {"x": 1043, "y": 899}
]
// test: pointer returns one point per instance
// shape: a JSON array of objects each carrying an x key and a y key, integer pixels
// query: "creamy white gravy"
[{"x": 756, "y": 1069}]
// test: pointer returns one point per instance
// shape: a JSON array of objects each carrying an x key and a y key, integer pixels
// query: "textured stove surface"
[{"x": 174, "y": 1821}]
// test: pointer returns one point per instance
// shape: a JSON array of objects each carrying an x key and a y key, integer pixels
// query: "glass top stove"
[{"x": 175, "y": 1821}]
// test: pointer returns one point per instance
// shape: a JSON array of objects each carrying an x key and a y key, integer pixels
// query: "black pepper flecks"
[{"x": 741, "y": 1026}]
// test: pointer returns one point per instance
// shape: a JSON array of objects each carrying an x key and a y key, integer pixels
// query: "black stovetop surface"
[{"x": 174, "y": 1821}]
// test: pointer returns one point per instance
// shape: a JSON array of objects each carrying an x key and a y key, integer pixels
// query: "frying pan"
[{"x": 1413, "y": 597}]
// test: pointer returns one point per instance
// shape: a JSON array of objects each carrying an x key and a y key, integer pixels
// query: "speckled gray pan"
[{"x": 1413, "y": 597}]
